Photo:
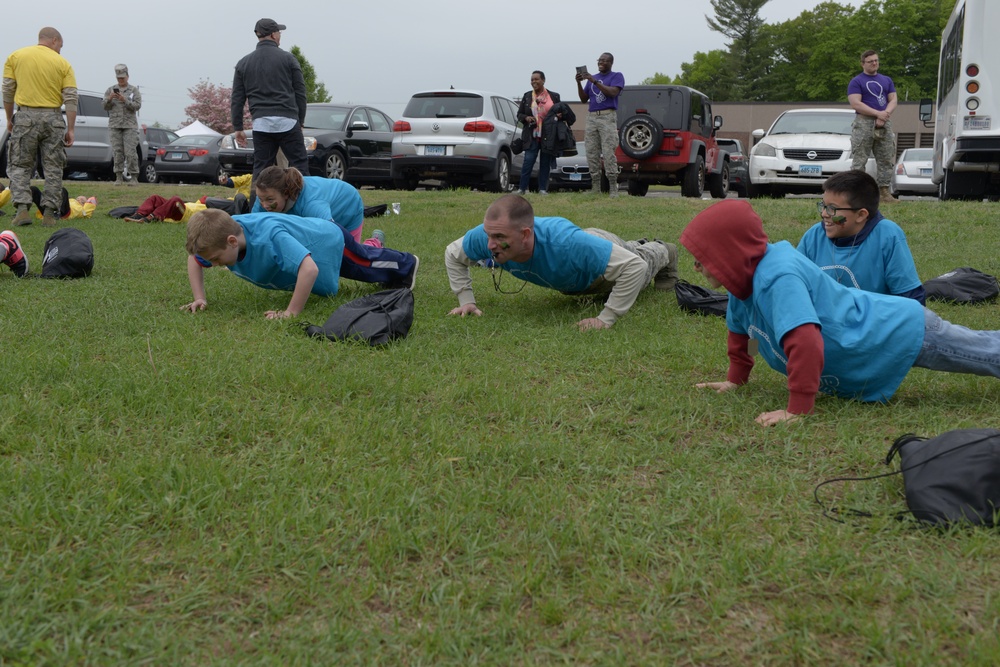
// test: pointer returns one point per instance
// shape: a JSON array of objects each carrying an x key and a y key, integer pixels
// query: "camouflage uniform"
[
  {"x": 661, "y": 259},
  {"x": 866, "y": 139},
  {"x": 602, "y": 130},
  {"x": 123, "y": 126},
  {"x": 37, "y": 132}
]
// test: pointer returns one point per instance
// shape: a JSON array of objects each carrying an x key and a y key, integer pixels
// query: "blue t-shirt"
[
  {"x": 874, "y": 90},
  {"x": 597, "y": 100},
  {"x": 870, "y": 340},
  {"x": 277, "y": 243},
  {"x": 565, "y": 257},
  {"x": 880, "y": 262},
  {"x": 327, "y": 199}
]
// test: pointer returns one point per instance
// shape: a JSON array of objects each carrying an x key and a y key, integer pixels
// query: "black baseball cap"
[{"x": 265, "y": 27}]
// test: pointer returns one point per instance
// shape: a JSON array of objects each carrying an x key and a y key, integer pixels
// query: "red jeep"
[{"x": 667, "y": 137}]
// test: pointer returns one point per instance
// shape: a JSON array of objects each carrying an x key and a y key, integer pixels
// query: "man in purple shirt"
[
  {"x": 601, "y": 93},
  {"x": 873, "y": 98}
]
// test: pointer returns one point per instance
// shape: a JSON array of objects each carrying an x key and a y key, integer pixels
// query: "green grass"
[{"x": 181, "y": 489}]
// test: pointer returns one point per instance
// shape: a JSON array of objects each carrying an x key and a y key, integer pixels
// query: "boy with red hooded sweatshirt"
[{"x": 823, "y": 335}]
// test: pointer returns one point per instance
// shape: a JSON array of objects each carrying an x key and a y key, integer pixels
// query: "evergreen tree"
[{"x": 315, "y": 91}]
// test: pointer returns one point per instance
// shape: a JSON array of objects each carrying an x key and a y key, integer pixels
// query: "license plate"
[
  {"x": 434, "y": 150},
  {"x": 810, "y": 170},
  {"x": 175, "y": 156},
  {"x": 576, "y": 177},
  {"x": 925, "y": 172},
  {"x": 977, "y": 122}
]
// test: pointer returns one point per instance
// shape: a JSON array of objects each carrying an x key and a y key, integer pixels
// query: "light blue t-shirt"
[
  {"x": 881, "y": 262},
  {"x": 276, "y": 245},
  {"x": 565, "y": 257},
  {"x": 870, "y": 340},
  {"x": 327, "y": 199}
]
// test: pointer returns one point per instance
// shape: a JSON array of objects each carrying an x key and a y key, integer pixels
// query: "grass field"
[{"x": 217, "y": 488}]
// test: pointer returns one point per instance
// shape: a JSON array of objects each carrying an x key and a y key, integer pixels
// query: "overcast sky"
[{"x": 374, "y": 52}]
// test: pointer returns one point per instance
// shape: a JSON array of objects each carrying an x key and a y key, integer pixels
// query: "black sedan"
[
  {"x": 352, "y": 143},
  {"x": 191, "y": 159},
  {"x": 236, "y": 159}
]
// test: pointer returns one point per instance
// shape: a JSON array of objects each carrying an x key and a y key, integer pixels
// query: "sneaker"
[
  {"x": 23, "y": 217},
  {"x": 522, "y": 192},
  {"x": 543, "y": 192},
  {"x": 49, "y": 218},
  {"x": 411, "y": 279},
  {"x": 379, "y": 236},
  {"x": 15, "y": 259}
]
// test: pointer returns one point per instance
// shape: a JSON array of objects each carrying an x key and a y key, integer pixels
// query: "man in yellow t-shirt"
[{"x": 39, "y": 81}]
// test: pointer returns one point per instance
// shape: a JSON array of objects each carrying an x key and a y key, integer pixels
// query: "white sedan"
[
  {"x": 802, "y": 148},
  {"x": 912, "y": 175}
]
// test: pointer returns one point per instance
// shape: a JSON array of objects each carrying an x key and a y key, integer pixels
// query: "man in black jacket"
[{"x": 271, "y": 80}]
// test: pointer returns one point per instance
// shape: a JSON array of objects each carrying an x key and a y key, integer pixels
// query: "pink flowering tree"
[{"x": 211, "y": 107}]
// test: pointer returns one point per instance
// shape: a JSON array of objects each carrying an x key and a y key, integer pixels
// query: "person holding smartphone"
[{"x": 122, "y": 102}]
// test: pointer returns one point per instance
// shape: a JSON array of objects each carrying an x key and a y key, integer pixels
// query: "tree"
[
  {"x": 710, "y": 73},
  {"x": 315, "y": 91},
  {"x": 211, "y": 107},
  {"x": 749, "y": 55}
]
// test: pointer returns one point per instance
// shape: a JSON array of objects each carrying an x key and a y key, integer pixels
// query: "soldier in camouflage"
[
  {"x": 39, "y": 81},
  {"x": 873, "y": 98},
  {"x": 122, "y": 101}
]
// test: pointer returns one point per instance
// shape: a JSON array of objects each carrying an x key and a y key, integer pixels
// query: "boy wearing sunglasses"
[
  {"x": 855, "y": 245},
  {"x": 824, "y": 336},
  {"x": 278, "y": 251}
]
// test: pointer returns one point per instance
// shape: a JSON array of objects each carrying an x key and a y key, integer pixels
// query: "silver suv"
[
  {"x": 459, "y": 136},
  {"x": 91, "y": 150}
]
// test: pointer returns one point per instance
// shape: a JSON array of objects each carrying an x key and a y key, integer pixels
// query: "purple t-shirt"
[
  {"x": 874, "y": 90},
  {"x": 597, "y": 100}
]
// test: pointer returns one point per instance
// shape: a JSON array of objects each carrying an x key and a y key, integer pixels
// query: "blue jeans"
[
  {"x": 956, "y": 349},
  {"x": 530, "y": 154}
]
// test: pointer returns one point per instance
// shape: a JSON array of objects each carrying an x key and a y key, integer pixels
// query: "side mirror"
[
  {"x": 926, "y": 111},
  {"x": 717, "y": 122}
]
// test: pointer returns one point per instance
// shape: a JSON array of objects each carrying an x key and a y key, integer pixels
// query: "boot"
[
  {"x": 885, "y": 197},
  {"x": 49, "y": 218},
  {"x": 23, "y": 217},
  {"x": 118, "y": 178}
]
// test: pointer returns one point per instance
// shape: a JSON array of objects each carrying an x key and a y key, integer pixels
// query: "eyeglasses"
[
  {"x": 202, "y": 261},
  {"x": 831, "y": 210}
]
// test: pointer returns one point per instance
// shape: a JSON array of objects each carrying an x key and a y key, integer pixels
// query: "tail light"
[
  {"x": 899, "y": 169},
  {"x": 479, "y": 126},
  {"x": 160, "y": 151},
  {"x": 401, "y": 126},
  {"x": 197, "y": 152}
]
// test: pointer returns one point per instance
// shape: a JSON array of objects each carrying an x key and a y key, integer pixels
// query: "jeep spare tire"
[{"x": 640, "y": 137}]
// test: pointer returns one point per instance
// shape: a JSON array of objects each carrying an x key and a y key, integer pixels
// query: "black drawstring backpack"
[
  {"x": 374, "y": 318},
  {"x": 963, "y": 285},
  {"x": 68, "y": 253},
  {"x": 701, "y": 300},
  {"x": 953, "y": 478}
]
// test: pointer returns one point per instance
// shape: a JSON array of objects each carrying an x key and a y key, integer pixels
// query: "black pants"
[{"x": 265, "y": 152}]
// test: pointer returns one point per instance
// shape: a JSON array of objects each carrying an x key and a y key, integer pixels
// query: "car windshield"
[
  {"x": 919, "y": 155},
  {"x": 326, "y": 118},
  {"x": 444, "y": 105},
  {"x": 813, "y": 122}
]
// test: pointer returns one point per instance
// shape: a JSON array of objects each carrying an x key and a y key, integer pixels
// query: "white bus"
[{"x": 967, "y": 123}]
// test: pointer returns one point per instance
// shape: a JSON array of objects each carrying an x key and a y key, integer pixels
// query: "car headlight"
[
  {"x": 310, "y": 143},
  {"x": 227, "y": 142},
  {"x": 764, "y": 150}
]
